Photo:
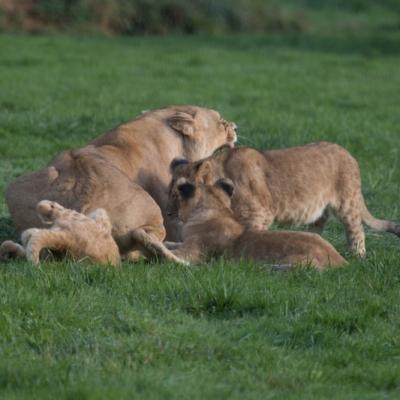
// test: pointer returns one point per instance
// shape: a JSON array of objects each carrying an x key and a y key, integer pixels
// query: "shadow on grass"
[
  {"x": 224, "y": 310},
  {"x": 7, "y": 230}
]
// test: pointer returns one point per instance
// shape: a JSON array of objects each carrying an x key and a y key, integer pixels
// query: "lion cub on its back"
[
  {"x": 299, "y": 185},
  {"x": 71, "y": 232},
  {"x": 210, "y": 229}
]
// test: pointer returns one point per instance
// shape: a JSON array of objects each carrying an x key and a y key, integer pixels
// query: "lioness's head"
[
  {"x": 205, "y": 199},
  {"x": 203, "y": 130}
]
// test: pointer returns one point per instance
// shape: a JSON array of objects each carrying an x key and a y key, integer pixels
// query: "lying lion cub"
[
  {"x": 210, "y": 229},
  {"x": 78, "y": 235},
  {"x": 299, "y": 185}
]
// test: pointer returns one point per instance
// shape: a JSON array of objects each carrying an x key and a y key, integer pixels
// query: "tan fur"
[
  {"x": 125, "y": 171},
  {"x": 10, "y": 250},
  {"x": 70, "y": 232},
  {"x": 300, "y": 185},
  {"x": 152, "y": 248},
  {"x": 210, "y": 229}
]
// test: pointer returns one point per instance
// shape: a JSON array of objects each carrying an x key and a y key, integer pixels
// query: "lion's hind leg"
[
  {"x": 10, "y": 250},
  {"x": 27, "y": 234},
  {"x": 100, "y": 216},
  {"x": 319, "y": 225},
  {"x": 48, "y": 211},
  {"x": 46, "y": 239}
]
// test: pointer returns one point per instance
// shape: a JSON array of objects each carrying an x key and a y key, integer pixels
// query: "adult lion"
[{"x": 125, "y": 171}]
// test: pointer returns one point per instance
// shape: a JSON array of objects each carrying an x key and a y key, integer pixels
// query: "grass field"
[{"x": 220, "y": 330}]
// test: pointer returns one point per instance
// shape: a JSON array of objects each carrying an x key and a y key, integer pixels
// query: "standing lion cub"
[
  {"x": 300, "y": 185},
  {"x": 210, "y": 229}
]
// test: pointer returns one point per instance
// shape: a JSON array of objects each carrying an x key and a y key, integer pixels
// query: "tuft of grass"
[{"x": 219, "y": 330}]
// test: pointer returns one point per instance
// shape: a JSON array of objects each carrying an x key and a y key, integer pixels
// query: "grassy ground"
[{"x": 221, "y": 330}]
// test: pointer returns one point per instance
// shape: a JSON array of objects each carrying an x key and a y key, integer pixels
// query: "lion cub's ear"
[
  {"x": 182, "y": 122},
  {"x": 177, "y": 162},
  {"x": 186, "y": 189},
  {"x": 203, "y": 172},
  {"x": 226, "y": 185}
]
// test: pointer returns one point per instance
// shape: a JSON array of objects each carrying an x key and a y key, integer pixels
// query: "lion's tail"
[{"x": 379, "y": 224}]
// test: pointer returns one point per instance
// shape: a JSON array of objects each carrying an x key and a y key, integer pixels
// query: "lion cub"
[
  {"x": 71, "y": 232},
  {"x": 300, "y": 185},
  {"x": 210, "y": 229}
]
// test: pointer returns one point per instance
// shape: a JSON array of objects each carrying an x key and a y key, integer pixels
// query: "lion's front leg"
[
  {"x": 173, "y": 245},
  {"x": 253, "y": 214},
  {"x": 190, "y": 253},
  {"x": 154, "y": 248}
]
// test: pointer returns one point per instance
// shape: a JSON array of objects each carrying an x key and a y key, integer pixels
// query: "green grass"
[{"x": 221, "y": 330}]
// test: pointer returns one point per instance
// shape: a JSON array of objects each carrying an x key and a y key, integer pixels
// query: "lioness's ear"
[
  {"x": 177, "y": 162},
  {"x": 185, "y": 188},
  {"x": 226, "y": 185},
  {"x": 182, "y": 122}
]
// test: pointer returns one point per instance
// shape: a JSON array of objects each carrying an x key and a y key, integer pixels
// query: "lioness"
[
  {"x": 299, "y": 185},
  {"x": 125, "y": 171},
  {"x": 210, "y": 229},
  {"x": 70, "y": 232}
]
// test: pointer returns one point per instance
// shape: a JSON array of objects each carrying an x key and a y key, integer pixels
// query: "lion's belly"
[{"x": 302, "y": 216}]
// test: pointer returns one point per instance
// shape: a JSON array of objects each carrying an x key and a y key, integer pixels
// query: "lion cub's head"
[
  {"x": 202, "y": 129},
  {"x": 198, "y": 172},
  {"x": 203, "y": 201}
]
